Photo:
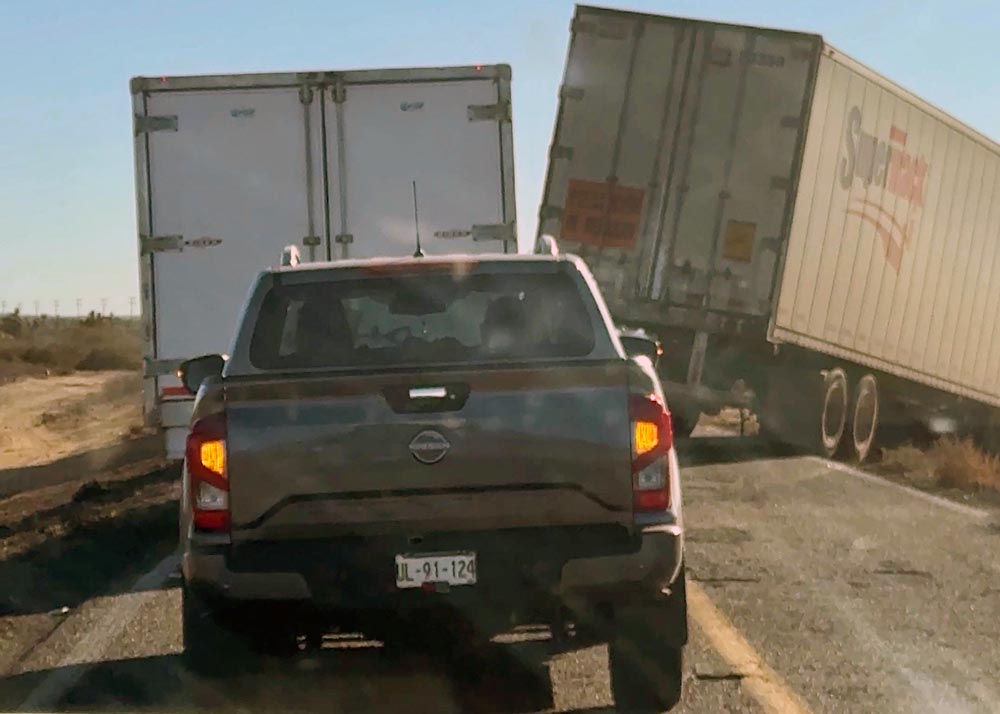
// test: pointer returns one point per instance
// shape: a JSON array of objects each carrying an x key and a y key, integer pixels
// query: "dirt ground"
[
  {"x": 47, "y": 418},
  {"x": 728, "y": 423},
  {"x": 61, "y": 544}
]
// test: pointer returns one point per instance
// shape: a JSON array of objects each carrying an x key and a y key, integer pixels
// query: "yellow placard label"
[{"x": 738, "y": 242}]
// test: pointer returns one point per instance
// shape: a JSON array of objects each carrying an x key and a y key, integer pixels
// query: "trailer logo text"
[{"x": 886, "y": 165}]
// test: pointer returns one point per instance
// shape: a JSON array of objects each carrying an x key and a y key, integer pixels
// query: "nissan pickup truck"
[{"x": 413, "y": 448}]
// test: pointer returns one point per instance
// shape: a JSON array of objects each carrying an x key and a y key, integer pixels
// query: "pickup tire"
[
  {"x": 646, "y": 660},
  {"x": 646, "y": 673},
  {"x": 211, "y": 648}
]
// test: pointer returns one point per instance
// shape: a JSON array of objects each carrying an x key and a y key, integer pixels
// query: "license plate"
[{"x": 414, "y": 571}]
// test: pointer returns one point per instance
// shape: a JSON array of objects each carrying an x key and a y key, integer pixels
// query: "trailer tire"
[
  {"x": 833, "y": 417},
  {"x": 864, "y": 424}
]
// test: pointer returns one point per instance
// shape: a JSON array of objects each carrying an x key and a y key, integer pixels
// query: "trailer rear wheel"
[
  {"x": 864, "y": 425},
  {"x": 833, "y": 422}
]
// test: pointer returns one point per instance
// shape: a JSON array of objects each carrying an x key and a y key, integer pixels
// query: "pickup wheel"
[
  {"x": 211, "y": 649},
  {"x": 645, "y": 658},
  {"x": 646, "y": 673}
]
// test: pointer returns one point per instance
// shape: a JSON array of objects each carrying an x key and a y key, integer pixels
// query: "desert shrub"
[
  {"x": 104, "y": 358},
  {"x": 959, "y": 463},
  {"x": 12, "y": 324},
  {"x": 38, "y": 355}
]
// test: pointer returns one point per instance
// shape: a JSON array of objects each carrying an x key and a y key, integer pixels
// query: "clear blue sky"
[{"x": 67, "y": 226}]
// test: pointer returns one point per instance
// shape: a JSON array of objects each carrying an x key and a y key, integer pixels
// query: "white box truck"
[
  {"x": 232, "y": 168},
  {"x": 807, "y": 238}
]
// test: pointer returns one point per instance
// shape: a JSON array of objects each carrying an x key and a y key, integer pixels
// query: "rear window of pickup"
[{"x": 433, "y": 317}]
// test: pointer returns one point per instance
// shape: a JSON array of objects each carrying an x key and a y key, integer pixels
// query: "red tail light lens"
[
  {"x": 652, "y": 440},
  {"x": 208, "y": 477}
]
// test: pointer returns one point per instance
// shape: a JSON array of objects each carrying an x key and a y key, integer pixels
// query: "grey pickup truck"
[{"x": 422, "y": 447}]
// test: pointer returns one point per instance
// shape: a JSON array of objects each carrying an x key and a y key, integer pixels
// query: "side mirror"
[{"x": 196, "y": 370}]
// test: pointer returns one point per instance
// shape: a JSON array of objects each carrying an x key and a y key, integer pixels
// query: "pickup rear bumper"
[
  {"x": 205, "y": 569},
  {"x": 653, "y": 567},
  {"x": 642, "y": 573}
]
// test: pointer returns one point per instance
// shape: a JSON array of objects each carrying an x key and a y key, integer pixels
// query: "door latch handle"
[{"x": 428, "y": 393}]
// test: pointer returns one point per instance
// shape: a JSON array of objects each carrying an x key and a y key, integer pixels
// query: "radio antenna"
[{"x": 419, "y": 253}]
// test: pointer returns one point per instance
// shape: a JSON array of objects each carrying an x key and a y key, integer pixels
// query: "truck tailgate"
[{"x": 378, "y": 454}]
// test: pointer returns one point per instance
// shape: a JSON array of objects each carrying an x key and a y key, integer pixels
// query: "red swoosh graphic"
[
  {"x": 892, "y": 219},
  {"x": 893, "y": 248}
]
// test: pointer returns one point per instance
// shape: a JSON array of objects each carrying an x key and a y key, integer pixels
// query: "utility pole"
[
  {"x": 104, "y": 306},
  {"x": 36, "y": 308},
  {"x": 79, "y": 307},
  {"x": 131, "y": 307},
  {"x": 55, "y": 307}
]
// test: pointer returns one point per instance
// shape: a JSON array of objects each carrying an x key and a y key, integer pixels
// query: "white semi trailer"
[{"x": 807, "y": 238}]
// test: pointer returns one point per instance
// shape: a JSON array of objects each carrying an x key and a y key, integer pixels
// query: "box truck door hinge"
[
  {"x": 721, "y": 56},
  {"x": 489, "y": 112},
  {"x": 148, "y": 124},
  {"x": 338, "y": 92},
  {"x": 561, "y": 152},
  {"x": 306, "y": 94},
  {"x": 569, "y": 92},
  {"x": 546, "y": 213},
  {"x": 310, "y": 240},
  {"x": 158, "y": 367},
  {"x": 160, "y": 244},
  {"x": 494, "y": 231},
  {"x": 343, "y": 238}
]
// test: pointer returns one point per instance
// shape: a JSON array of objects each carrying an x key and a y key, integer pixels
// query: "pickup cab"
[{"x": 418, "y": 447}]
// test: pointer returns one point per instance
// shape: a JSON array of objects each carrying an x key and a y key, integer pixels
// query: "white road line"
[
  {"x": 917, "y": 493},
  {"x": 96, "y": 641}
]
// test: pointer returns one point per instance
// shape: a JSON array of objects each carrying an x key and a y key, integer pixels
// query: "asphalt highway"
[{"x": 813, "y": 588}]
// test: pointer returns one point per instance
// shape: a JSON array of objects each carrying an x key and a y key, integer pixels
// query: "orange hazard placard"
[{"x": 604, "y": 214}]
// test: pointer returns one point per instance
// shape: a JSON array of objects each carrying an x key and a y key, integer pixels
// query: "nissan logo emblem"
[{"x": 429, "y": 447}]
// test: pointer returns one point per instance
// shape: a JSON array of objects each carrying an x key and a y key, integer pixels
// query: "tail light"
[
  {"x": 652, "y": 440},
  {"x": 208, "y": 483}
]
